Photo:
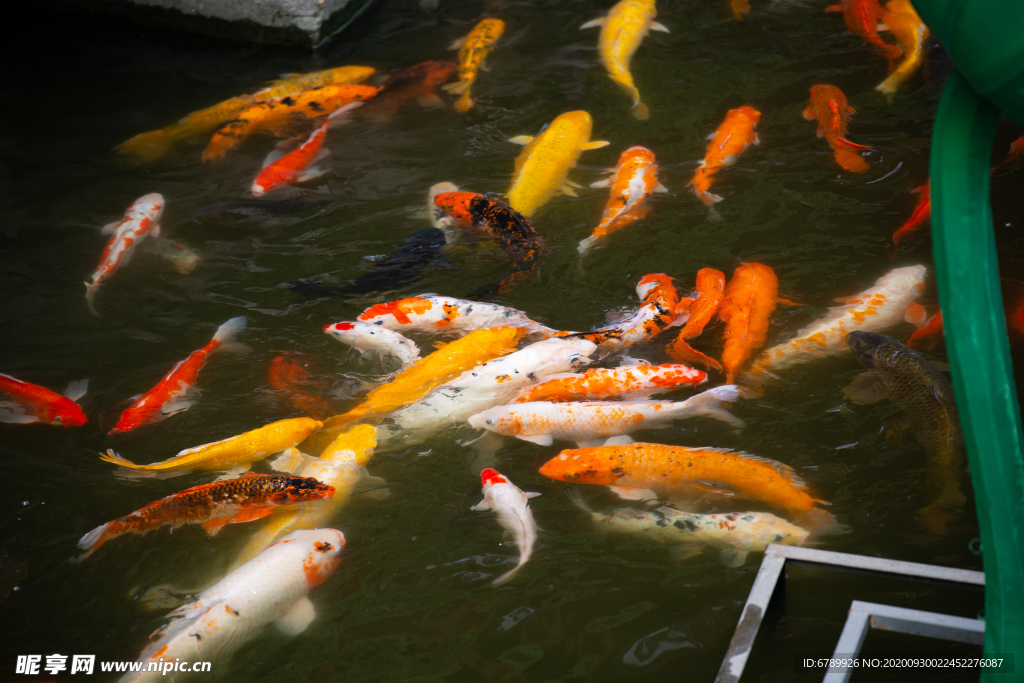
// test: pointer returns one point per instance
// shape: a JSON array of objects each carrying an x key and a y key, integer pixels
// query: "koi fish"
[
  {"x": 658, "y": 310},
  {"x": 1016, "y": 149},
  {"x": 599, "y": 384},
  {"x": 622, "y": 30},
  {"x": 484, "y": 386},
  {"x": 291, "y": 377},
  {"x": 829, "y": 107},
  {"x": 918, "y": 219},
  {"x": 877, "y": 308},
  {"x": 542, "y": 422},
  {"x": 910, "y": 32},
  {"x": 282, "y": 170},
  {"x": 245, "y": 499},
  {"x": 733, "y": 534},
  {"x": 276, "y": 212},
  {"x": 730, "y": 140},
  {"x": 509, "y": 228},
  {"x": 236, "y": 451},
  {"x": 634, "y": 178},
  {"x": 746, "y": 309},
  {"x": 275, "y": 115},
  {"x": 674, "y": 470},
  {"x": 375, "y": 339},
  {"x": 141, "y": 220},
  {"x": 473, "y": 50},
  {"x": 710, "y": 291},
  {"x": 443, "y": 314},
  {"x": 512, "y": 506},
  {"x": 928, "y": 326},
  {"x": 32, "y": 403},
  {"x": 542, "y": 168},
  {"x": 342, "y": 466},
  {"x": 740, "y": 8},
  {"x": 908, "y": 379},
  {"x": 167, "y": 397},
  {"x": 150, "y": 146},
  {"x": 271, "y": 587},
  {"x": 861, "y": 17},
  {"x": 418, "y": 81}
]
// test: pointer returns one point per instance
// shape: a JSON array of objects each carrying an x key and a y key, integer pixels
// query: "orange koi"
[
  {"x": 473, "y": 50},
  {"x": 739, "y": 8},
  {"x": 635, "y": 178},
  {"x": 293, "y": 167},
  {"x": 928, "y": 326},
  {"x": 45, "y": 405},
  {"x": 250, "y": 497},
  {"x": 165, "y": 398},
  {"x": 674, "y": 470},
  {"x": 510, "y": 229},
  {"x": 417, "y": 81},
  {"x": 275, "y": 115},
  {"x": 730, "y": 140},
  {"x": 1016, "y": 149},
  {"x": 861, "y": 17},
  {"x": 829, "y": 107},
  {"x": 918, "y": 219},
  {"x": 291, "y": 377},
  {"x": 710, "y": 290},
  {"x": 599, "y": 384},
  {"x": 747, "y": 305}
]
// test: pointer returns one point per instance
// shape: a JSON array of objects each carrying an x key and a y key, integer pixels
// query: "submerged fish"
[
  {"x": 541, "y": 422},
  {"x": 33, "y": 403},
  {"x": 710, "y": 291},
  {"x": 599, "y": 384},
  {"x": 634, "y": 178},
  {"x": 733, "y": 534},
  {"x": 512, "y": 506},
  {"x": 746, "y": 309},
  {"x": 510, "y": 229},
  {"x": 444, "y": 314},
  {"x": 271, "y": 587},
  {"x": 473, "y": 50},
  {"x": 740, "y": 8},
  {"x": 237, "y": 451},
  {"x": 245, "y": 499},
  {"x": 290, "y": 375},
  {"x": 418, "y": 81},
  {"x": 730, "y": 140},
  {"x": 376, "y": 340},
  {"x": 928, "y": 326},
  {"x": 622, "y": 30},
  {"x": 861, "y": 17},
  {"x": 911, "y": 381},
  {"x": 920, "y": 217},
  {"x": 674, "y": 470},
  {"x": 542, "y": 168},
  {"x": 828, "y": 105},
  {"x": 911, "y": 33},
  {"x": 166, "y": 398}
]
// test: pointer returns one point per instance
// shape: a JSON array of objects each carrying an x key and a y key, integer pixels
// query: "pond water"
[{"x": 413, "y": 599}]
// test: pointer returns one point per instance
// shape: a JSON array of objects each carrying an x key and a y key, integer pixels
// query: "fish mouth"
[{"x": 863, "y": 345}]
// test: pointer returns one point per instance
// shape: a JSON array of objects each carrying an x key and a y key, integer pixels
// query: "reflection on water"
[{"x": 413, "y": 599}]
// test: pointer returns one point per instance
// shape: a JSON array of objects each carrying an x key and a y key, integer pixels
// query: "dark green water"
[{"x": 413, "y": 599}]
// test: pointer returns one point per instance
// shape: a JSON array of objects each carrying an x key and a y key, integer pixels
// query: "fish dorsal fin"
[
  {"x": 593, "y": 23},
  {"x": 296, "y": 617},
  {"x": 783, "y": 470},
  {"x": 456, "y": 44},
  {"x": 77, "y": 389},
  {"x": 655, "y": 26}
]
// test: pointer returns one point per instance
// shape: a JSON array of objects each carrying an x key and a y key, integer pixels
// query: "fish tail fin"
[
  {"x": 847, "y": 157},
  {"x": 464, "y": 103},
  {"x": 144, "y": 148},
  {"x": 587, "y": 244},
  {"x": 227, "y": 332},
  {"x": 112, "y": 457},
  {"x": 94, "y": 539},
  {"x": 709, "y": 404},
  {"x": 819, "y": 522},
  {"x": 708, "y": 198},
  {"x": 456, "y": 88},
  {"x": 90, "y": 297},
  {"x": 682, "y": 352},
  {"x": 640, "y": 111},
  {"x": 509, "y": 575}
]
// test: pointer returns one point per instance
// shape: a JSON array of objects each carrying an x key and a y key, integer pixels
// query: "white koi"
[
  {"x": 375, "y": 340},
  {"x": 512, "y": 505}
]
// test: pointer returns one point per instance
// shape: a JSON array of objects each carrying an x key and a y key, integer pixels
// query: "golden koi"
[
  {"x": 473, "y": 50},
  {"x": 910, "y": 32},
  {"x": 635, "y": 178}
]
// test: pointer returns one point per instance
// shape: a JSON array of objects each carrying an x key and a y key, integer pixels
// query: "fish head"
[
  {"x": 747, "y": 112},
  {"x": 754, "y": 531},
  {"x": 320, "y": 550},
  {"x": 864, "y": 346},
  {"x": 491, "y": 476},
  {"x": 497, "y": 419},
  {"x": 636, "y": 154},
  {"x": 301, "y": 490},
  {"x": 66, "y": 413},
  {"x": 456, "y": 205},
  {"x": 340, "y": 330},
  {"x": 652, "y": 281},
  {"x": 580, "y": 120},
  {"x": 582, "y": 466}
]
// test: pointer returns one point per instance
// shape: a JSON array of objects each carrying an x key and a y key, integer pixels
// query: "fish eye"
[
  {"x": 574, "y": 475},
  {"x": 490, "y": 421}
]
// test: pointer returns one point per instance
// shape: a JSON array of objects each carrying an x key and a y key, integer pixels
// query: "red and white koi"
[
  {"x": 141, "y": 220},
  {"x": 600, "y": 384},
  {"x": 166, "y": 398},
  {"x": 634, "y": 178},
  {"x": 512, "y": 506},
  {"x": 33, "y": 403},
  {"x": 377, "y": 340},
  {"x": 443, "y": 314}
]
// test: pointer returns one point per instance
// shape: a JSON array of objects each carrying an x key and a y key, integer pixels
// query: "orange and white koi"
[
  {"x": 730, "y": 140},
  {"x": 928, "y": 326},
  {"x": 622, "y": 30},
  {"x": 542, "y": 168},
  {"x": 378, "y": 340},
  {"x": 236, "y": 451},
  {"x": 710, "y": 291},
  {"x": 512, "y": 506},
  {"x": 659, "y": 309},
  {"x": 541, "y": 422},
  {"x": 746, "y": 308},
  {"x": 829, "y": 107},
  {"x": 245, "y": 499},
  {"x": 861, "y": 17},
  {"x": 634, "y": 178},
  {"x": 601, "y": 384},
  {"x": 272, "y": 587},
  {"x": 875, "y": 309},
  {"x": 473, "y": 50},
  {"x": 918, "y": 219},
  {"x": 442, "y": 314},
  {"x": 290, "y": 375},
  {"x": 733, "y": 534},
  {"x": 141, "y": 220},
  {"x": 33, "y": 403},
  {"x": 673, "y": 470},
  {"x": 167, "y": 397},
  {"x": 910, "y": 32},
  {"x": 282, "y": 170}
]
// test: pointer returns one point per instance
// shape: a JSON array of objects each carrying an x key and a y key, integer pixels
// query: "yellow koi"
[
  {"x": 473, "y": 50},
  {"x": 622, "y": 30},
  {"x": 542, "y": 168},
  {"x": 910, "y": 32},
  {"x": 237, "y": 451},
  {"x": 147, "y": 147}
]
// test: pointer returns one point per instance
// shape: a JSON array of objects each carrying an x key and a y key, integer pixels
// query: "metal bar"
[
  {"x": 919, "y": 623},
  {"x": 850, "y": 641},
  {"x": 881, "y": 565}
]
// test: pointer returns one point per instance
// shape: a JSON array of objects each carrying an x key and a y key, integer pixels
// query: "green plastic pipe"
[{"x": 967, "y": 273}]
